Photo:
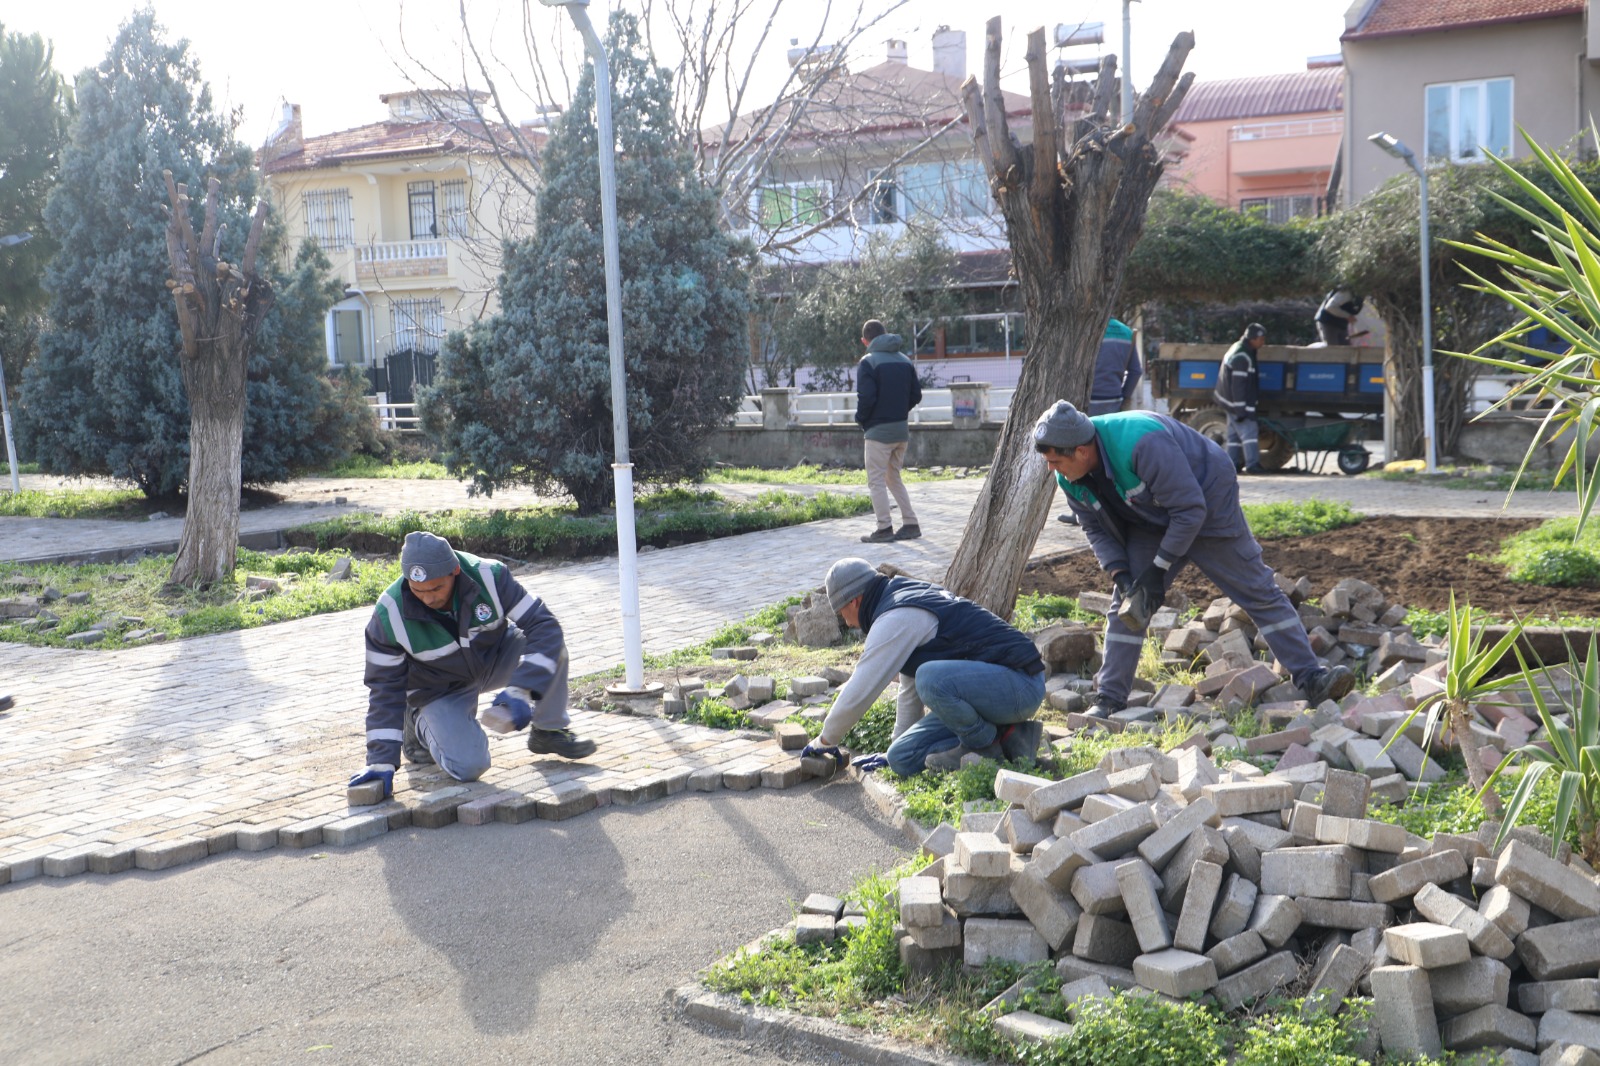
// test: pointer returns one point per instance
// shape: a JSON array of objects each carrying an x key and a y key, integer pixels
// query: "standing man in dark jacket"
[
  {"x": 979, "y": 679},
  {"x": 1153, "y": 494},
  {"x": 1116, "y": 371},
  {"x": 886, "y": 391},
  {"x": 1336, "y": 315},
  {"x": 451, "y": 627},
  {"x": 1237, "y": 383}
]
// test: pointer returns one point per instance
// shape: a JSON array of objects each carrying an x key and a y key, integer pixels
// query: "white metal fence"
[
  {"x": 396, "y": 417},
  {"x": 839, "y": 408}
]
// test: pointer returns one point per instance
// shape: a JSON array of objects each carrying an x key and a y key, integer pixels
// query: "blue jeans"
[
  {"x": 449, "y": 727},
  {"x": 966, "y": 701}
]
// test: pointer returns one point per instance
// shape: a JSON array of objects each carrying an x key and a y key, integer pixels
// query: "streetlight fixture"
[
  {"x": 8, "y": 241},
  {"x": 622, "y": 469},
  {"x": 1395, "y": 147}
]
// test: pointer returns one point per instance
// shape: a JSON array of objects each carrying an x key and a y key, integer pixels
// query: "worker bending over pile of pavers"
[{"x": 1165, "y": 873}]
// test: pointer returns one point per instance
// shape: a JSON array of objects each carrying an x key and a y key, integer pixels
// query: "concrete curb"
[{"x": 728, "y": 1013}]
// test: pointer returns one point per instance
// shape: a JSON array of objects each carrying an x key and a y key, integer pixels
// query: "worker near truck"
[
  {"x": 1336, "y": 315},
  {"x": 1238, "y": 382},
  {"x": 969, "y": 682},
  {"x": 1153, "y": 494},
  {"x": 451, "y": 627}
]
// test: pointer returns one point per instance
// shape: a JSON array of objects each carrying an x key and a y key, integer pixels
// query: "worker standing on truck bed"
[{"x": 1237, "y": 385}]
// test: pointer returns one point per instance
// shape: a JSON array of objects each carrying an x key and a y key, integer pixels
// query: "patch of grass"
[
  {"x": 76, "y": 503},
  {"x": 1269, "y": 521},
  {"x": 875, "y": 729},
  {"x": 1034, "y": 611},
  {"x": 139, "y": 591},
  {"x": 808, "y": 474},
  {"x": 717, "y": 714},
  {"x": 1451, "y": 806},
  {"x": 1547, "y": 555},
  {"x": 660, "y": 518},
  {"x": 935, "y": 796},
  {"x": 1122, "y": 1031},
  {"x": 369, "y": 466},
  {"x": 1283, "y": 1038}
]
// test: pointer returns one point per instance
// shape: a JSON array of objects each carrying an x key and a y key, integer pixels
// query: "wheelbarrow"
[{"x": 1339, "y": 438}]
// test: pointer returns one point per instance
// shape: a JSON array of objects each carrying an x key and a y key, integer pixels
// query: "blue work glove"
[
  {"x": 832, "y": 752},
  {"x": 868, "y": 763},
  {"x": 509, "y": 712},
  {"x": 376, "y": 772}
]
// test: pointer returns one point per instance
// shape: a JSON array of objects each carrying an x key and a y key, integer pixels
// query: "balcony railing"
[
  {"x": 1272, "y": 131},
  {"x": 398, "y": 251}
]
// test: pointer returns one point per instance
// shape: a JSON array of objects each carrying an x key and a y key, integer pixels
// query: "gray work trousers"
[
  {"x": 449, "y": 727},
  {"x": 1244, "y": 442},
  {"x": 1235, "y": 565}
]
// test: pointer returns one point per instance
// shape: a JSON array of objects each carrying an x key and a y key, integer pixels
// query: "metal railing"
[
  {"x": 396, "y": 417},
  {"x": 838, "y": 408}
]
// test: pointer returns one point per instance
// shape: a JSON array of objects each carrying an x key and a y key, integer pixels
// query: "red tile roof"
[
  {"x": 1386, "y": 18},
  {"x": 388, "y": 140},
  {"x": 1321, "y": 89},
  {"x": 888, "y": 97}
]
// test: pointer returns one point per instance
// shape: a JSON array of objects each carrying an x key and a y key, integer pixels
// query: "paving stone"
[
  {"x": 165, "y": 854},
  {"x": 1244, "y": 858},
  {"x": 981, "y": 822},
  {"x": 353, "y": 829},
  {"x": 1361, "y": 833},
  {"x": 476, "y": 811},
  {"x": 1026, "y": 1027},
  {"x": 1544, "y": 882},
  {"x": 1159, "y": 847},
  {"x": 818, "y": 903},
  {"x": 306, "y": 833},
  {"x": 925, "y": 963},
  {"x": 1344, "y": 914},
  {"x": 1068, "y": 793},
  {"x": 1406, "y": 879},
  {"x": 1437, "y": 905},
  {"x": 1320, "y": 872},
  {"x": 1563, "y": 1055},
  {"x": 1061, "y": 862},
  {"x": 1199, "y": 901},
  {"x": 1276, "y": 918},
  {"x": 1566, "y": 1027},
  {"x": 1403, "y": 1009},
  {"x": 1580, "y": 995},
  {"x": 567, "y": 800},
  {"x": 1249, "y": 797},
  {"x": 1204, "y": 845},
  {"x": 1257, "y": 980},
  {"x": 1013, "y": 786},
  {"x": 69, "y": 862},
  {"x": 515, "y": 808},
  {"x": 921, "y": 902},
  {"x": 1237, "y": 952},
  {"x": 1083, "y": 992},
  {"x": 1100, "y": 806},
  {"x": 1175, "y": 973},
  {"x": 1022, "y": 833},
  {"x": 1427, "y": 945},
  {"x": 706, "y": 779},
  {"x": 1469, "y": 985},
  {"x": 791, "y": 736},
  {"x": 1071, "y": 968},
  {"x": 1137, "y": 783},
  {"x": 112, "y": 858},
  {"x": 1492, "y": 1025},
  {"x": 1561, "y": 950},
  {"x": 1054, "y": 913},
  {"x": 1100, "y": 938},
  {"x": 983, "y": 854},
  {"x": 947, "y": 934},
  {"x": 365, "y": 795},
  {"x": 1237, "y": 901},
  {"x": 436, "y": 809},
  {"x": 1097, "y": 890},
  {"x": 984, "y": 896},
  {"x": 779, "y": 775},
  {"x": 814, "y": 929},
  {"x": 1141, "y": 897},
  {"x": 1114, "y": 837},
  {"x": 1003, "y": 940},
  {"x": 1335, "y": 980},
  {"x": 256, "y": 837}
]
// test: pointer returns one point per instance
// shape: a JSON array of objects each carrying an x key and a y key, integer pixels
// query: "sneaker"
[
  {"x": 879, "y": 536},
  {"x": 413, "y": 749},
  {"x": 1254, "y": 468},
  {"x": 1329, "y": 684},
  {"x": 910, "y": 532},
  {"x": 1020, "y": 742},
  {"x": 562, "y": 742}
]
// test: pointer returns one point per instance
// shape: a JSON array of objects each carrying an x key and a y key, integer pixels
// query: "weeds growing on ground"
[
  {"x": 1548, "y": 555},
  {"x": 1298, "y": 518},
  {"x": 127, "y": 504}
]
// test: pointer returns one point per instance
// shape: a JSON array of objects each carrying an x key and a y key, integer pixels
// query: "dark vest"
[{"x": 966, "y": 631}]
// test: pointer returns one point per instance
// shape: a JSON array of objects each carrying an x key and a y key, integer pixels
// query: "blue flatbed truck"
[{"x": 1324, "y": 400}]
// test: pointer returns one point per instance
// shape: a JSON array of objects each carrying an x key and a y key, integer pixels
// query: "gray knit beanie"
[
  {"x": 847, "y": 579},
  {"x": 1063, "y": 427},
  {"x": 427, "y": 557}
]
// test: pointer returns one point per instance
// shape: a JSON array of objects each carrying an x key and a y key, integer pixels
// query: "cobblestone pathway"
[{"x": 162, "y": 754}]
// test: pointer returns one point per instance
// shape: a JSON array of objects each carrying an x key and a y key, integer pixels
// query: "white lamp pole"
[
  {"x": 622, "y": 469},
  {"x": 1397, "y": 148},
  {"x": 5, "y": 405},
  {"x": 1127, "y": 61}
]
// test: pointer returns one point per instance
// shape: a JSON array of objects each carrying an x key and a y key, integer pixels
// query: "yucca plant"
[
  {"x": 1562, "y": 293},
  {"x": 1466, "y": 681},
  {"x": 1574, "y": 754}
]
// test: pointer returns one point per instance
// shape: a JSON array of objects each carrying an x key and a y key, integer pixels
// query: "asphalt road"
[{"x": 538, "y": 943}]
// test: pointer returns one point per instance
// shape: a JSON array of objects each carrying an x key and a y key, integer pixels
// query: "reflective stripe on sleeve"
[
  {"x": 386, "y": 734},
  {"x": 378, "y": 658}
]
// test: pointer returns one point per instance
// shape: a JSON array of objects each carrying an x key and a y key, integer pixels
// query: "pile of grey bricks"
[{"x": 1165, "y": 874}]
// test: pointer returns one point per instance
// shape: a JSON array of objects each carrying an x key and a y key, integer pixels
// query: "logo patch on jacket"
[{"x": 483, "y": 612}]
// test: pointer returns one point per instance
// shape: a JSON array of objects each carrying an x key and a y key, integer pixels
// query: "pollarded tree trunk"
[
  {"x": 1074, "y": 204},
  {"x": 219, "y": 306}
]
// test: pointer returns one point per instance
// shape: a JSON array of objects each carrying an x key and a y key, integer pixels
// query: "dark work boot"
[
  {"x": 562, "y": 742},
  {"x": 879, "y": 536},
  {"x": 1330, "y": 684},
  {"x": 1104, "y": 706},
  {"x": 1020, "y": 742},
  {"x": 414, "y": 750}
]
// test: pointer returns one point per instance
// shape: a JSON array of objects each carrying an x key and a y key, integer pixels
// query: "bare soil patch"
[{"x": 1412, "y": 561}]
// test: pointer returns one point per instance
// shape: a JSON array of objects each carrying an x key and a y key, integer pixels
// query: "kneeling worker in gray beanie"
[
  {"x": 979, "y": 680},
  {"x": 1152, "y": 494},
  {"x": 451, "y": 627}
]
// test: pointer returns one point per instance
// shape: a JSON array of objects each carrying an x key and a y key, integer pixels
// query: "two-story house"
[
  {"x": 1267, "y": 142},
  {"x": 872, "y": 152},
  {"x": 1450, "y": 78},
  {"x": 411, "y": 211}
]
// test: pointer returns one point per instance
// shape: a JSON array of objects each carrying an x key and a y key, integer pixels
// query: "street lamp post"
[
  {"x": 1397, "y": 148},
  {"x": 5, "y": 404},
  {"x": 1127, "y": 61},
  {"x": 622, "y": 469}
]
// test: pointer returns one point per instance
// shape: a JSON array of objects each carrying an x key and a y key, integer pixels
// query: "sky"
[{"x": 334, "y": 57}]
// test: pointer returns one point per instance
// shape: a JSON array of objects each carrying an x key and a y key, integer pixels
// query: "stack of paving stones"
[{"x": 1166, "y": 875}]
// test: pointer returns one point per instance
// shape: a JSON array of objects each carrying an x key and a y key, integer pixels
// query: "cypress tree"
[{"x": 524, "y": 398}]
